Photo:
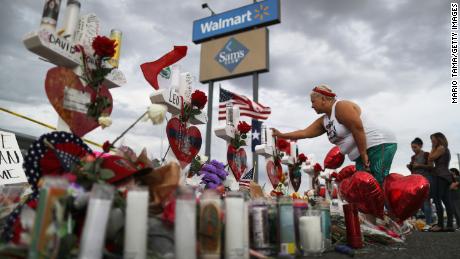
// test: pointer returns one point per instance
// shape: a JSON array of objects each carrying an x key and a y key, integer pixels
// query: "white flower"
[
  {"x": 156, "y": 113},
  {"x": 203, "y": 159},
  {"x": 104, "y": 121}
]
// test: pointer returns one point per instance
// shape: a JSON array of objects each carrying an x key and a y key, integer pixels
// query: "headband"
[{"x": 323, "y": 92}]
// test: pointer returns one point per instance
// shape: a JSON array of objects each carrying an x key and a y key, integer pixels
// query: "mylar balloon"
[
  {"x": 334, "y": 159},
  {"x": 404, "y": 195},
  {"x": 363, "y": 190},
  {"x": 346, "y": 172}
]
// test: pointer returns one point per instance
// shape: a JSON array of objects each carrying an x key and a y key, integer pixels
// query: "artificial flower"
[
  {"x": 106, "y": 146},
  {"x": 199, "y": 99},
  {"x": 104, "y": 121},
  {"x": 282, "y": 144},
  {"x": 104, "y": 47},
  {"x": 243, "y": 127},
  {"x": 156, "y": 113},
  {"x": 302, "y": 158},
  {"x": 317, "y": 168}
]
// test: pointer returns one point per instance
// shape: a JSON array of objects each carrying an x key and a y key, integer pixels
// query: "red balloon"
[
  {"x": 334, "y": 159},
  {"x": 364, "y": 191},
  {"x": 404, "y": 195},
  {"x": 346, "y": 172}
]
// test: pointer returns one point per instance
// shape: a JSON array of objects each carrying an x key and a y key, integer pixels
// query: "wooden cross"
[{"x": 59, "y": 48}]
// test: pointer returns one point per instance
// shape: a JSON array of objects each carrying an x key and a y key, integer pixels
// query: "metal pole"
[
  {"x": 255, "y": 96},
  {"x": 207, "y": 151}
]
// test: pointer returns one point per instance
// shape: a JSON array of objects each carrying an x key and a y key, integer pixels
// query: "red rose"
[
  {"x": 199, "y": 99},
  {"x": 104, "y": 47},
  {"x": 317, "y": 168},
  {"x": 282, "y": 144},
  {"x": 302, "y": 158},
  {"x": 243, "y": 127},
  {"x": 106, "y": 146}
]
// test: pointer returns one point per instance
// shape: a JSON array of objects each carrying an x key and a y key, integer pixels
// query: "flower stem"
[{"x": 129, "y": 128}]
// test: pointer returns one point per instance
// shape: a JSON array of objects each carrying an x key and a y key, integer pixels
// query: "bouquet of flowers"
[{"x": 241, "y": 134}]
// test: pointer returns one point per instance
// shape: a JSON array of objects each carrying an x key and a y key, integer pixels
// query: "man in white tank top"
[{"x": 372, "y": 148}]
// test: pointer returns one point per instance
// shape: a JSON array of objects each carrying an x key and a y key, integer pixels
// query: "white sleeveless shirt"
[{"x": 339, "y": 135}]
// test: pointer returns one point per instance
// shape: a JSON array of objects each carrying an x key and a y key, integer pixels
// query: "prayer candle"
[
  {"x": 287, "y": 233},
  {"x": 136, "y": 222},
  {"x": 97, "y": 215},
  {"x": 71, "y": 18},
  {"x": 185, "y": 224},
  {"x": 210, "y": 226},
  {"x": 311, "y": 237},
  {"x": 234, "y": 226}
]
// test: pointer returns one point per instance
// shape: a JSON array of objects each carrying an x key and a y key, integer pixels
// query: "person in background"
[
  {"x": 439, "y": 158},
  {"x": 455, "y": 195},
  {"x": 419, "y": 165}
]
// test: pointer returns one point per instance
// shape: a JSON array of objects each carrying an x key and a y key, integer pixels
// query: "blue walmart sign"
[
  {"x": 231, "y": 54},
  {"x": 244, "y": 18}
]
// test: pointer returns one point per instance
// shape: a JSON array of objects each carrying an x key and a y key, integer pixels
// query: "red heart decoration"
[
  {"x": 57, "y": 79},
  {"x": 185, "y": 142},
  {"x": 295, "y": 178},
  {"x": 404, "y": 195},
  {"x": 363, "y": 190},
  {"x": 334, "y": 159},
  {"x": 346, "y": 172},
  {"x": 274, "y": 173},
  {"x": 237, "y": 161}
]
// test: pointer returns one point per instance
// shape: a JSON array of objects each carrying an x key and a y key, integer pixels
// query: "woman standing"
[{"x": 442, "y": 179}]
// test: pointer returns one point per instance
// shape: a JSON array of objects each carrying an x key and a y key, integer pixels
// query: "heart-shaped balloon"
[
  {"x": 363, "y": 190},
  {"x": 404, "y": 195},
  {"x": 295, "y": 177},
  {"x": 346, "y": 172},
  {"x": 274, "y": 173},
  {"x": 185, "y": 142},
  {"x": 237, "y": 161},
  {"x": 334, "y": 158},
  {"x": 69, "y": 97}
]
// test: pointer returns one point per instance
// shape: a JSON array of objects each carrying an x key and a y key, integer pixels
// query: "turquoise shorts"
[{"x": 380, "y": 158}]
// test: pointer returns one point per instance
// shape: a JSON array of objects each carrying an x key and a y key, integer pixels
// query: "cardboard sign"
[{"x": 11, "y": 160}]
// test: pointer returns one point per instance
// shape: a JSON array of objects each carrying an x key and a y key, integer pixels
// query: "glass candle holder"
[{"x": 310, "y": 231}]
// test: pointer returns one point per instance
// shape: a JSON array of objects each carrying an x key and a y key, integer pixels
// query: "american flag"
[
  {"x": 247, "y": 106},
  {"x": 245, "y": 180}
]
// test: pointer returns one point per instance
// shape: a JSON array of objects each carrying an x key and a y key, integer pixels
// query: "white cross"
[
  {"x": 61, "y": 50},
  {"x": 177, "y": 95}
]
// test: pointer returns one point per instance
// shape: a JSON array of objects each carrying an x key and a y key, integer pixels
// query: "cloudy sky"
[{"x": 391, "y": 57}]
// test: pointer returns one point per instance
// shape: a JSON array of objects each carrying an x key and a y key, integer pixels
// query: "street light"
[{"x": 206, "y": 6}]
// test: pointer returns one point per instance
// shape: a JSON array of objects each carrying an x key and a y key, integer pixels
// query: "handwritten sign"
[{"x": 10, "y": 160}]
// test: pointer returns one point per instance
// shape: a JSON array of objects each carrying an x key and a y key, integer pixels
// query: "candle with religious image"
[
  {"x": 286, "y": 226},
  {"x": 210, "y": 225},
  {"x": 136, "y": 221},
  {"x": 116, "y": 35},
  {"x": 71, "y": 18},
  {"x": 234, "y": 226},
  {"x": 97, "y": 215},
  {"x": 50, "y": 14},
  {"x": 185, "y": 223}
]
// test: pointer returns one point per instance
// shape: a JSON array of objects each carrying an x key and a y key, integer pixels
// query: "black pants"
[
  {"x": 442, "y": 195},
  {"x": 456, "y": 208}
]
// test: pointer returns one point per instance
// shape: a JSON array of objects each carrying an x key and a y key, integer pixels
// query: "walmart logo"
[
  {"x": 231, "y": 55},
  {"x": 260, "y": 11}
]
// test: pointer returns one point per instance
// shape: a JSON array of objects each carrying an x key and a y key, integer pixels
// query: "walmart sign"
[{"x": 244, "y": 18}]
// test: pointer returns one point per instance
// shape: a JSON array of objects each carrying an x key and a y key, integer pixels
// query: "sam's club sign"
[{"x": 244, "y": 18}]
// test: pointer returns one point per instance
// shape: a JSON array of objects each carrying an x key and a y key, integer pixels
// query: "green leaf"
[
  {"x": 243, "y": 136},
  {"x": 106, "y": 174},
  {"x": 242, "y": 143}
]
